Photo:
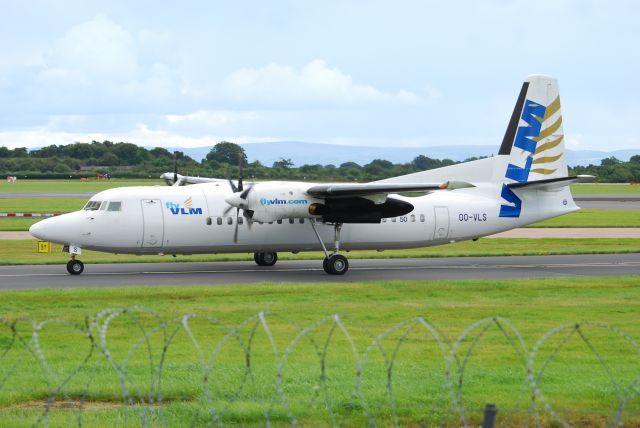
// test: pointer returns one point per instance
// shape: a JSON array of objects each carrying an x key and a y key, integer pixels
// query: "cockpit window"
[
  {"x": 103, "y": 205},
  {"x": 92, "y": 206},
  {"x": 115, "y": 206}
]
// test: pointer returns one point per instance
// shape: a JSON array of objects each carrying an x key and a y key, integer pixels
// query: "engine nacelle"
[{"x": 280, "y": 200}]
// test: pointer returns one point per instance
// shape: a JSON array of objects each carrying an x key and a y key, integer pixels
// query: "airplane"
[{"x": 526, "y": 182}]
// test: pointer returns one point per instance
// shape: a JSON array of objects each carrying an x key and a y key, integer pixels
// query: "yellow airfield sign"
[{"x": 44, "y": 247}]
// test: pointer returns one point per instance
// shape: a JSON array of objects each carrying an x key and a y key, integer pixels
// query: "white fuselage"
[{"x": 191, "y": 219}]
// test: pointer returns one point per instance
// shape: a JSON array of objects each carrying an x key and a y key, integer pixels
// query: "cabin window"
[
  {"x": 229, "y": 220},
  {"x": 115, "y": 206},
  {"x": 219, "y": 221},
  {"x": 301, "y": 221},
  {"x": 291, "y": 221},
  {"x": 413, "y": 218},
  {"x": 279, "y": 221},
  {"x": 92, "y": 206},
  {"x": 384, "y": 220},
  {"x": 421, "y": 218}
]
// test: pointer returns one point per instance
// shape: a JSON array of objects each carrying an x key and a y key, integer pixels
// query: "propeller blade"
[
  {"x": 240, "y": 174},
  {"x": 231, "y": 183},
  {"x": 235, "y": 232},
  {"x": 246, "y": 191},
  {"x": 226, "y": 211},
  {"x": 248, "y": 214},
  {"x": 175, "y": 167}
]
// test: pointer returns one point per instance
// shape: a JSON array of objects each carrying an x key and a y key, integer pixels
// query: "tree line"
[{"x": 128, "y": 160}]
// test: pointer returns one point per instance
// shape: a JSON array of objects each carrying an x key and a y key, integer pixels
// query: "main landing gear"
[
  {"x": 334, "y": 264},
  {"x": 265, "y": 259}
]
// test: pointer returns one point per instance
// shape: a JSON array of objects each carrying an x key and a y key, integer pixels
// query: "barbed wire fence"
[{"x": 131, "y": 366}]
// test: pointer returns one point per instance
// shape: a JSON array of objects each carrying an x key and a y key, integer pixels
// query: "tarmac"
[{"x": 300, "y": 272}]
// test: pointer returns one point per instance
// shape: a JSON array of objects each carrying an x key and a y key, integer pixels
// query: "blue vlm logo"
[
  {"x": 532, "y": 114},
  {"x": 188, "y": 209}
]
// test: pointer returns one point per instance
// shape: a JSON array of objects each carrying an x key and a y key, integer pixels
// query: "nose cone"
[
  {"x": 62, "y": 229},
  {"x": 235, "y": 200},
  {"x": 38, "y": 230}
]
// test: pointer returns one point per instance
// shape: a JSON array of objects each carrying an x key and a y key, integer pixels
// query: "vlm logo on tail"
[
  {"x": 527, "y": 138},
  {"x": 188, "y": 209}
]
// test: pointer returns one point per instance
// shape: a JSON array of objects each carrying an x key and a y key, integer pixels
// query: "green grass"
[
  {"x": 98, "y": 185},
  {"x": 40, "y": 205},
  {"x": 594, "y": 218},
  {"x": 17, "y": 224},
  {"x": 73, "y": 186},
  {"x": 15, "y": 252},
  {"x": 604, "y": 189},
  {"x": 574, "y": 383}
]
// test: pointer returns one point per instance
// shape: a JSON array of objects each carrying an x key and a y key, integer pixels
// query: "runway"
[{"x": 225, "y": 273}]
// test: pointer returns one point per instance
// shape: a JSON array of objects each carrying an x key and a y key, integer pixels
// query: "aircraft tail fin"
[{"x": 534, "y": 139}]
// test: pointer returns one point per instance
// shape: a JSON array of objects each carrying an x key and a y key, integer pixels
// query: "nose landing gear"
[{"x": 74, "y": 266}]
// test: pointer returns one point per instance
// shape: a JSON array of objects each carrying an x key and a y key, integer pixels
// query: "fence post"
[{"x": 489, "y": 419}]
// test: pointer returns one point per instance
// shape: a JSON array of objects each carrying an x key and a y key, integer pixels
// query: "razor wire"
[{"x": 266, "y": 345}]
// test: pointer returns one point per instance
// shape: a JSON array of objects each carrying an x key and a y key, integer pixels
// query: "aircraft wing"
[
  {"x": 187, "y": 179},
  {"x": 369, "y": 189}
]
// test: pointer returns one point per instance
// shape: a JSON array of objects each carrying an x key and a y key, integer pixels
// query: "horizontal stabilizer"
[{"x": 552, "y": 183}]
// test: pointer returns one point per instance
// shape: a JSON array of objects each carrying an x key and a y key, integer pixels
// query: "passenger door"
[
  {"x": 152, "y": 223},
  {"x": 442, "y": 222}
]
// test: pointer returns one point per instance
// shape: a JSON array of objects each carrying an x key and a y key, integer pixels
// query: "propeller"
[
  {"x": 177, "y": 181},
  {"x": 238, "y": 200},
  {"x": 175, "y": 167}
]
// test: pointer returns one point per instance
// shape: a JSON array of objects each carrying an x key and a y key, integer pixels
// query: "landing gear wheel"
[
  {"x": 336, "y": 264},
  {"x": 265, "y": 259},
  {"x": 75, "y": 267}
]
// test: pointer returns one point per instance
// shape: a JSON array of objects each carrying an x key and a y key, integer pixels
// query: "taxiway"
[{"x": 224, "y": 273}]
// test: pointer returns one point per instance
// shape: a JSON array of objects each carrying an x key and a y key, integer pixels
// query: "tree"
[
  {"x": 127, "y": 153},
  {"x": 283, "y": 163},
  {"x": 19, "y": 152},
  {"x": 226, "y": 152},
  {"x": 609, "y": 161},
  {"x": 161, "y": 152},
  {"x": 424, "y": 163}
]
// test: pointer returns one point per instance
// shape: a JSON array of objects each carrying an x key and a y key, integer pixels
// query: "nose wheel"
[{"x": 75, "y": 267}]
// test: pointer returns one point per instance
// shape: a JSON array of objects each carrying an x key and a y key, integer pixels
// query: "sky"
[{"x": 375, "y": 73}]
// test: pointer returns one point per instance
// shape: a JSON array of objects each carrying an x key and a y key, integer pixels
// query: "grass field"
[
  {"x": 604, "y": 189},
  {"x": 575, "y": 384},
  {"x": 14, "y": 252},
  {"x": 73, "y": 186},
  {"x": 594, "y": 218},
  {"x": 16, "y": 224},
  {"x": 41, "y": 205}
]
